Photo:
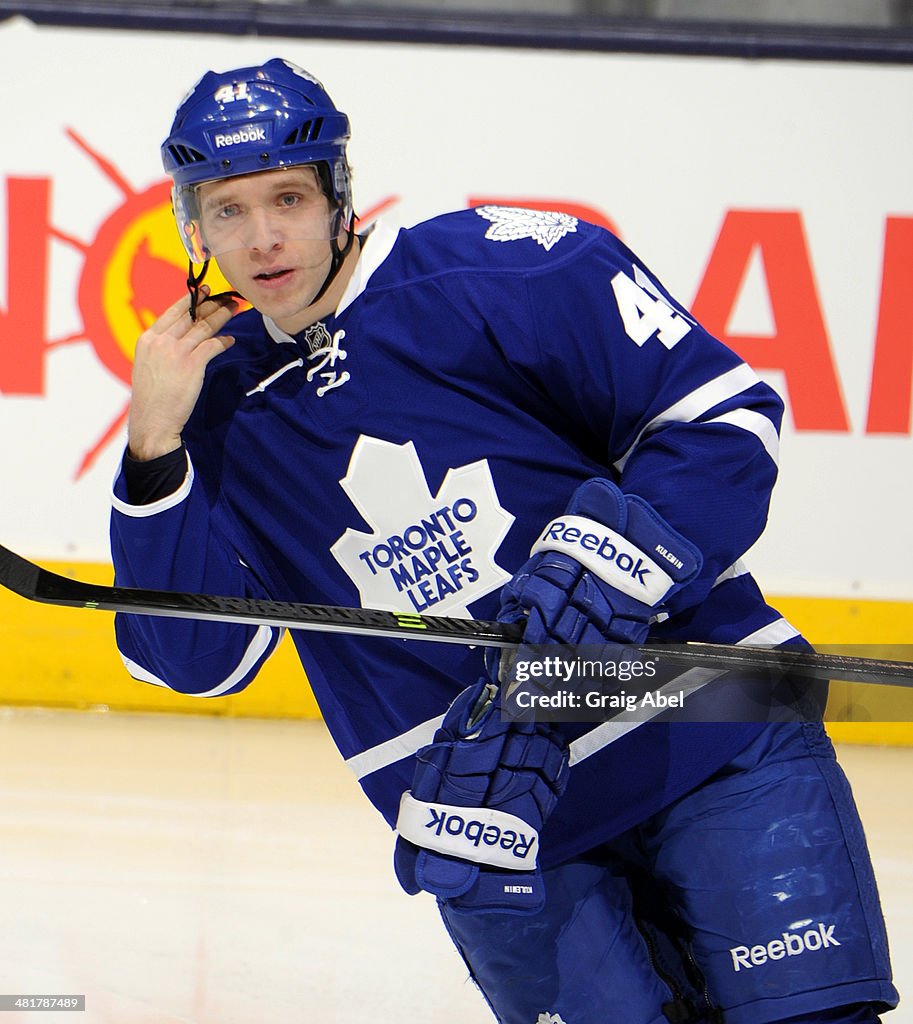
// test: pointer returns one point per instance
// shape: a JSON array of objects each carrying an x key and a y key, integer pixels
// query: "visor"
[{"x": 254, "y": 211}]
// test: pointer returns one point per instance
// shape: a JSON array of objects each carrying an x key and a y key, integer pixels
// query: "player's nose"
[{"x": 261, "y": 231}]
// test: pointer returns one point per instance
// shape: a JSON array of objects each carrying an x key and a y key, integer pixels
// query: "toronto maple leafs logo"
[
  {"x": 549, "y": 1018},
  {"x": 425, "y": 551},
  {"x": 511, "y": 223}
]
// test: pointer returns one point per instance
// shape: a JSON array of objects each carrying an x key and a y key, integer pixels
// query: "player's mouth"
[{"x": 274, "y": 278}]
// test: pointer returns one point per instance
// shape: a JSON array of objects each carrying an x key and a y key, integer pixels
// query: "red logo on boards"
[{"x": 135, "y": 267}]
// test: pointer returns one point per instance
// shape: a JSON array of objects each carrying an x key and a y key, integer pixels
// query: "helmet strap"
[
  {"x": 337, "y": 257},
  {"x": 193, "y": 286}
]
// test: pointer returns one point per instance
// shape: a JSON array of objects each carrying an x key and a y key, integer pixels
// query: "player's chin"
[{"x": 285, "y": 307}]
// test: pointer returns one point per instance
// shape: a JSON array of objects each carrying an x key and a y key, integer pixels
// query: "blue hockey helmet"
[{"x": 255, "y": 119}]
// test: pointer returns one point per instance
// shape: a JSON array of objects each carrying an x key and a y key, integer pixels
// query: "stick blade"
[{"x": 18, "y": 574}]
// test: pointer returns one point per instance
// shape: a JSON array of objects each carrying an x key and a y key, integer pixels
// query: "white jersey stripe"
[
  {"x": 738, "y": 568},
  {"x": 754, "y": 423},
  {"x": 771, "y": 635},
  {"x": 162, "y": 505},
  {"x": 393, "y": 750},
  {"x": 608, "y": 732},
  {"x": 252, "y": 655},
  {"x": 699, "y": 401}
]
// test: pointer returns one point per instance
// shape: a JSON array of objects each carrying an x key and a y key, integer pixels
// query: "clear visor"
[{"x": 254, "y": 211}]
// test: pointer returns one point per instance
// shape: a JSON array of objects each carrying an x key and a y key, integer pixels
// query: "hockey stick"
[{"x": 34, "y": 583}]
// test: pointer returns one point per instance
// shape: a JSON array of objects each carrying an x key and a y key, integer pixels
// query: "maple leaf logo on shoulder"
[
  {"x": 549, "y": 1018},
  {"x": 425, "y": 552},
  {"x": 511, "y": 223}
]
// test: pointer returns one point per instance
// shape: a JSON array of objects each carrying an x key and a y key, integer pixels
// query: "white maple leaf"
[
  {"x": 426, "y": 553},
  {"x": 511, "y": 223}
]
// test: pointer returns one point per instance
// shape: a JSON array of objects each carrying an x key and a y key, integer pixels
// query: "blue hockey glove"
[
  {"x": 601, "y": 572},
  {"x": 482, "y": 790}
]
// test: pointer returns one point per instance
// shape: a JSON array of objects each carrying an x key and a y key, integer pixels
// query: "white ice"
[{"x": 197, "y": 870}]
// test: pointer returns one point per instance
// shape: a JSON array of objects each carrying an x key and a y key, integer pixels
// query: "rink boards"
[{"x": 769, "y": 195}]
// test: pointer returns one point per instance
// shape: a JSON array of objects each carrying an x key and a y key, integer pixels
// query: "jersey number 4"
[{"x": 644, "y": 312}]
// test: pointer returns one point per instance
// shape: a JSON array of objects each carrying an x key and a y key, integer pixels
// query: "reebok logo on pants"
[{"x": 790, "y": 944}]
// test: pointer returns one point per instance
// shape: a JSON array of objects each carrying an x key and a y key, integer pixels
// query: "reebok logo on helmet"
[{"x": 249, "y": 133}]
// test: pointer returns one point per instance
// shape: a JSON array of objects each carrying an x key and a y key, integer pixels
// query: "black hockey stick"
[{"x": 33, "y": 582}]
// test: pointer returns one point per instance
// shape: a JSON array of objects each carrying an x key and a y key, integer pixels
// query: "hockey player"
[{"x": 399, "y": 421}]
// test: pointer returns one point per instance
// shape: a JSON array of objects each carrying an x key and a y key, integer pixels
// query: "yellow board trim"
[
  {"x": 875, "y": 629},
  {"x": 66, "y": 658}
]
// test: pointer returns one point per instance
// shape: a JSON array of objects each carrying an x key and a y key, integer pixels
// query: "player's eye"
[
  {"x": 228, "y": 211},
  {"x": 288, "y": 200}
]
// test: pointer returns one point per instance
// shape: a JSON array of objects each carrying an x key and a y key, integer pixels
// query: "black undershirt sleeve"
[{"x": 151, "y": 481}]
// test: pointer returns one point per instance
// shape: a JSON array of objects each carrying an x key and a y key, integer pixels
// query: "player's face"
[{"x": 270, "y": 233}]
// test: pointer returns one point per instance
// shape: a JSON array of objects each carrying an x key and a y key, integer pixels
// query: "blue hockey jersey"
[{"x": 405, "y": 454}]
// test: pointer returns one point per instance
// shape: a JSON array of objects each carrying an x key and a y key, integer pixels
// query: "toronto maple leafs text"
[{"x": 430, "y": 560}]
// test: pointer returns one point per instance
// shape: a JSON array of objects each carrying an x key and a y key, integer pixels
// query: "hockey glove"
[
  {"x": 482, "y": 790},
  {"x": 601, "y": 572}
]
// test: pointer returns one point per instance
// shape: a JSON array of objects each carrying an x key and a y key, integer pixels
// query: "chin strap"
[
  {"x": 194, "y": 281},
  {"x": 337, "y": 257}
]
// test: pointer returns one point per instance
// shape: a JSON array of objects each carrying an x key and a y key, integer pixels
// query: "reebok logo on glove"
[
  {"x": 604, "y": 547},
  {"x": 613, "y": 558},
  {"x": 478, "y": 834}
]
